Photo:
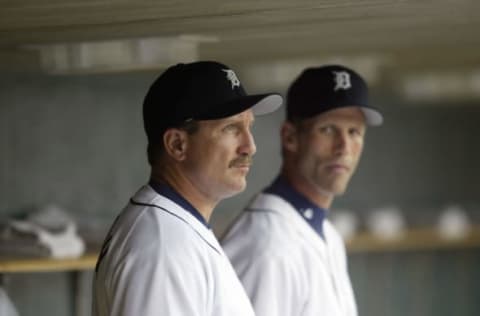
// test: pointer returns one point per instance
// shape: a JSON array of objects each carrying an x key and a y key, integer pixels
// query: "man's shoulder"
[
  {"x": 154, "y": 227},
  {"x": 267, "y": 215},
  {"x": 260, "y": 232}
]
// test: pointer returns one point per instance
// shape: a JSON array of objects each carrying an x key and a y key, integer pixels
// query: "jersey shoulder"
[
  {"x": 261, "y": 234},
  {"x": 151, "y": 232}
]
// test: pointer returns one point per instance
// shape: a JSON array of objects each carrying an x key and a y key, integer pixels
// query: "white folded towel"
[{"x": 64, "y": 243}]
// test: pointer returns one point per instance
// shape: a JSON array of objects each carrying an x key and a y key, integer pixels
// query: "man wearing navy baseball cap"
[
  {"x": 160, "y": 256},
  {"x": 290, "y": 259}
]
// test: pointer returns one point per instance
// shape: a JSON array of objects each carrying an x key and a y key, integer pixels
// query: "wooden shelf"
[
  {"x": 414, "y": 239},
  {"x": 15, "y": 265}
]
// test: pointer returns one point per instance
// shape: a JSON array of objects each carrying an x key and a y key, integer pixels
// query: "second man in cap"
[{"x": 287, "y": 254}]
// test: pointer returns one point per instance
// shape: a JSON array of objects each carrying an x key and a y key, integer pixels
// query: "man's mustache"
[{"x": 241, "y": 161}]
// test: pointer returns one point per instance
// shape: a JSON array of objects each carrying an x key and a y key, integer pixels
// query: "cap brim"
[
  {"x": 260, "y": 104},
  {"x": 372, "y": 116},
  {"x": 267, "y": 104}
]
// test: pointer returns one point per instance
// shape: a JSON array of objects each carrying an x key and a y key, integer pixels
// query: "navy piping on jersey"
[
  {"x": 173, "y": 214},
  {"x": 170, "y": 193},
  {"x": 312, "y": 213}
]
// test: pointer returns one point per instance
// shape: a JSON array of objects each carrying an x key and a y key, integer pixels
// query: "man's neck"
[
  {"x": 181, "y": 184},
  {"x": 322, "y": 199}
]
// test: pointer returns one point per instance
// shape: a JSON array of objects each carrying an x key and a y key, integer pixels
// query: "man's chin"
[
  {"x": 340, "y": 191},
  {"x": 235, "y": 188},
  {"x": 337, "y": 187},
  {"x": 335, "y": 190}
]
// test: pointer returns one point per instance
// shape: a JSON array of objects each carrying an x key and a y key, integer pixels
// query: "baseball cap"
[
  {"x": 203, "y": 90},
  {"x": 320, "y": 89}
]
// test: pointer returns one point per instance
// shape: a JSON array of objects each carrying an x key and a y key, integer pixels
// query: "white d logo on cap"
[
  {"x": 232, "y": 77},
  {"x": 342, "y": 80}
]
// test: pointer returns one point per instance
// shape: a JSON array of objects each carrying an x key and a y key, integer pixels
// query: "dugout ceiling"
[{"x": 400, "y": 37}]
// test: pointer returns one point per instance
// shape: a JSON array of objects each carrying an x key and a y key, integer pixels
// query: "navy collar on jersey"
[
  {"x": 313, "y": 214},
  {"x": 168, "y": 192}
]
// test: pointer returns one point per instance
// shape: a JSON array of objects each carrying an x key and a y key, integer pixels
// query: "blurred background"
[{"x": 74, "y": 74}]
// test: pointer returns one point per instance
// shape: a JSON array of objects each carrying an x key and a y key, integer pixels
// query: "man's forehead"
[
  {"x": 348, "y": 112},
  {"x": 246, "y": 116},
  {"x": 352, "y": 115}
]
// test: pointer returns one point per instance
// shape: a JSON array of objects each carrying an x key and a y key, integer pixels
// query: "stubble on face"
[
  {"x": 330, "y": 147},
  {"x": 331, "y": 176},
  {"x": 222, "y": 155}
]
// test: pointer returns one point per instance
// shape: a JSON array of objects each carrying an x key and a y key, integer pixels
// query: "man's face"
[
  {"x": 328, "y": 149},
  {"x": 220, "y": 154}
]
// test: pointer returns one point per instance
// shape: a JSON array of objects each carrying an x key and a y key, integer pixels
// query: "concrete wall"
[{"x": 78, "y": 142}]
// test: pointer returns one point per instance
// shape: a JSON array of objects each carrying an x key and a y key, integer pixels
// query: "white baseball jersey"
[
  {"x": 286, "y": 267},
  {"x": 159, "y": 259}
]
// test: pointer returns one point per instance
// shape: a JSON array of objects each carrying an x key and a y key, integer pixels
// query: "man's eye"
[
  {"x": 326, "y": 129},
  {"x": 356, "y": 132},
  {"x": 230, "y": 128}
]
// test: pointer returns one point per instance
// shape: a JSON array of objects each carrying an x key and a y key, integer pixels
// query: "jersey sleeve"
[
  {"x": 274, "y": 287},
  {"x": 151, "y": 284}
]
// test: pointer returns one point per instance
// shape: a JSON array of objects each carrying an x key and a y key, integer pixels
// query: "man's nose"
[
  {"x": 342, "y": 143},
  {"x": 248, "y": 146}
]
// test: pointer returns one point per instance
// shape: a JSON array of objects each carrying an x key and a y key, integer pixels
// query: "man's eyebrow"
[{"x": 238, "y": 120}]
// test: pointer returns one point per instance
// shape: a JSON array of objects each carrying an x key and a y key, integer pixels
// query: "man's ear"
[
  {"x": 175, "y": 142},
  {"x": 289, "y": 136}
]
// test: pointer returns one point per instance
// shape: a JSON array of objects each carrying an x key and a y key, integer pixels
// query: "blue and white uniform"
[
  {"x": 289, "y": 257},
  {"x": 161, "y": 258}
]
